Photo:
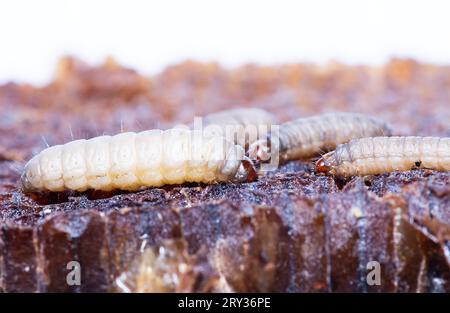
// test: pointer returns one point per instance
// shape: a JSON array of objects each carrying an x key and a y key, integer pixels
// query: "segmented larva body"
[
  {"x": 129, "y": 161},
  {"x": 241, "y": 126},
  {"x": 306, "y": 137},
  {"x": 379, "y": 155}
]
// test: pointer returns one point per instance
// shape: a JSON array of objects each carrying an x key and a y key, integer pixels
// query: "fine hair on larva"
[
  {"x": 379, "y": 155},
  {"x": 129, "y": 161},
  {"x": 241, "y": 125},
  {"x": 304, "y": 138}
]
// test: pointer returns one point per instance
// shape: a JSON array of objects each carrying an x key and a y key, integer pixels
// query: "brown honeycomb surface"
[{"x": 290, "y": 231}]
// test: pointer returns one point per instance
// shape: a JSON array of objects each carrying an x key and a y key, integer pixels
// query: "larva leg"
[
  {"x": 386, "y": 155},
  {"x": 307, "y": 137}
]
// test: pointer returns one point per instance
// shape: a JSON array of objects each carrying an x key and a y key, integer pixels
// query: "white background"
[{"x": 148, "y": 35}]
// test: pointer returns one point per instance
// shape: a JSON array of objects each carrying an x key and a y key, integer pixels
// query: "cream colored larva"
[
  {"x": 386, "y": 154},
  {"x": 241, "y": 126},
  {"x": 306, "y": 137},
  {"x": 130, "y": 161}
]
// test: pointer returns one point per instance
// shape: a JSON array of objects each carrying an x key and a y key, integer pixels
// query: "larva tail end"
[
  {"x": 322, "y": 166},
  {"x": 25, "y": 184}
]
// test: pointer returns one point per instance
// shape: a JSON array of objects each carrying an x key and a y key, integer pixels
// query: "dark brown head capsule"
[{"x": 322, "y": 166}]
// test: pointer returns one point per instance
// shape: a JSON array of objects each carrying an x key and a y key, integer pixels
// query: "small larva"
[
  {"x": 241, "y": 126},
  {"x": 306, "y": 137},
  {"x": 379, "y": 155},
  {"x": 130, "y": 160}
]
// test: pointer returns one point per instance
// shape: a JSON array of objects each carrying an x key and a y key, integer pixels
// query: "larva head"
[
  {"x": 326, "y": 165},
  {"x": 246, "y": 171},
  {"x": 260, "y": 150}
]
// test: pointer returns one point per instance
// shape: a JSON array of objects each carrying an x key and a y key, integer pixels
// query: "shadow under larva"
[{"x": 377, "y": 155}]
